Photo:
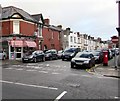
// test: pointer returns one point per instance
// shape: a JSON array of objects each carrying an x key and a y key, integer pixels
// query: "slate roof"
[
  {"x": 38, "y": 17},
  {"x": 8, "y": 12}
]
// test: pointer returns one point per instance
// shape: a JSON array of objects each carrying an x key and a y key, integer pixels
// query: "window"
[
  {"x": 71, "y": 39},
  {"x": 78, "y": 40},
  {"x": 16, "y": 27},
  {"x": 52, "y": 35},
  {"x": 74, "y": 39}
]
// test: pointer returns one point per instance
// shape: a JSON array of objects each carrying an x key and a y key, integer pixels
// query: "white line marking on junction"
[
  {"x": 29, "y": 85},
  {"x": 19, "y": 69},
  {"x": 55, "y": 73},
  {"x": 31, "y": 70},
  {"x": 116, "y": 97},
  {"x": 86, "y": 75},
  {"x": 74, "y": 74},
  {"x": 9, "y": 68},
  {"x": 43, "y": 72},
  {"x": 6, "y": 81},
  {"x": 60, "y": 96}
]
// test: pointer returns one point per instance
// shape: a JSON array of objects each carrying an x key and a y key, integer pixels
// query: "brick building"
[
  {"x": 51, "y": 36},
  {"x": 20, "y": 32}
]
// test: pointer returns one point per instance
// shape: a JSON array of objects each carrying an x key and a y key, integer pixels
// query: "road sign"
[{"x": 114, "y": 39}]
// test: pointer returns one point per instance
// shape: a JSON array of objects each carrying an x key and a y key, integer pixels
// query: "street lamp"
[{"x": 118, "y": 29}]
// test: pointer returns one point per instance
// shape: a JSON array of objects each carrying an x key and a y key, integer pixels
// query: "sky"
[{"x": 98, "y": 18}]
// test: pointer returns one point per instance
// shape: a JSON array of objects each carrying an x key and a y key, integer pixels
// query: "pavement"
[{"x": 108, "y": 71}]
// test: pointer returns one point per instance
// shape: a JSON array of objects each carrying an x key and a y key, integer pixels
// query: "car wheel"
[
  {"x": 35, "y": 60},
  {"x": 23, "y": 61},
  {"x": 50, "y": 58},
  {"x": 3, "y": 57},
  {"x": 72, "y": 65},
  {"x": 43, "y": 59}
]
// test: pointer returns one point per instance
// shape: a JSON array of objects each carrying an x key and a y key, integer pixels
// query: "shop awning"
[
  {"x": 30, "y": 43},
  {"x": 16, "y": 43}
]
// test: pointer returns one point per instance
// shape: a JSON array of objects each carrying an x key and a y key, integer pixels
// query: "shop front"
[{"x": 17, "y": 48}]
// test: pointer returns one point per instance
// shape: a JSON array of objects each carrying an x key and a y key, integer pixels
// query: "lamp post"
[{"x": 118, "y": 29}]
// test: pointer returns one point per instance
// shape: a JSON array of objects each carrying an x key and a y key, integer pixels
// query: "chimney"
[
  {"x": 47, "y": 21},
  {"x": 59, "y": 26}
]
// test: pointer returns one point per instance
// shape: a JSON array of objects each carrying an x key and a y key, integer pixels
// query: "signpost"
[{"x": 118, "y": 28}]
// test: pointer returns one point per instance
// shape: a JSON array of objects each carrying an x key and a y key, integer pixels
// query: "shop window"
[
  {"x": 12, "y": 49},
  {"x": 18, "y": 49}
]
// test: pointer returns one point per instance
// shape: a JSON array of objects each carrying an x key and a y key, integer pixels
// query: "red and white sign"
[{"x": 114, "y": 39}]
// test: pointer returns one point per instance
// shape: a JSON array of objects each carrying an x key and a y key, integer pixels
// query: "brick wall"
[{"x": 49, "y": 41}]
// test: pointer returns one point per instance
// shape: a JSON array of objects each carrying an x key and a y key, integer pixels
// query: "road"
[{"x": 55, "y": 80}]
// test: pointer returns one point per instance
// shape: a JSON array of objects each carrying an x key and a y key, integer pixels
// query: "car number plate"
[
  {"x": 79, "y": 63},
  {"x": 25, "y": 59}
]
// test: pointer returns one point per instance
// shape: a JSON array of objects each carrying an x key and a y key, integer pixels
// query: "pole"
[
  {"x": 118, "y": 29},
  {"x": 115, "y": 58}
]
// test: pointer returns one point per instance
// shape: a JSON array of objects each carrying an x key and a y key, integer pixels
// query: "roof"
[
  {"x": 38, "y": 17},
  {"x": 8, "y": 12}
]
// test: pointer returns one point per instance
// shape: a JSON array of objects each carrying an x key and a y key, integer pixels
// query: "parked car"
[
  {"x": 69, "y": 53},
  {"x": 60, "y": 54},
  {"x": 84, "y": 59},
  {"x": 51, "y": 54},
  {"x": 3, "y": 55},
  {"x": 34, "y": 57},
  {"x": 98, "y": 56}
]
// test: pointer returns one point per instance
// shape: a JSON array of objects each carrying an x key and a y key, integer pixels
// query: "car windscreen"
[
  {"x": 82, "y": 55},
  {"x": 95, "y": 53},
  {"x": 47, "y": 52},
  {"x": 71, "y": 50}
]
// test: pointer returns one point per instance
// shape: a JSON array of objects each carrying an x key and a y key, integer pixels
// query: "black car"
[
  {"x": 69, "y": 53},
  {"x": 98, "y": 56},
  {"x": 34, "y": 57},
  {"x": 51, "y": 54}
]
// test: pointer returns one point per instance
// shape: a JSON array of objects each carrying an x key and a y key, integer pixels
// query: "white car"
[{"x": 3, "y": 55}]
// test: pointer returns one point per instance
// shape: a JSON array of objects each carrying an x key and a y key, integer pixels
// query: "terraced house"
[{"x": 20, "y": 32}]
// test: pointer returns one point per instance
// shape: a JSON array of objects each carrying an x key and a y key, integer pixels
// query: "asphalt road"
[{"x": 55, "y": 80}]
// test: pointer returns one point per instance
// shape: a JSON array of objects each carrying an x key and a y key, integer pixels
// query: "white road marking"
[
  {"x": 116, "y": 97},
  {"x": 43, "y": 71},
  {"x": 100, "y": 68},
  {"x": 31, "y": 70},
  {"x": 86, "y": 75},
  {"x": 47, "y": 65},
  {"x": 74, "y": 74},
  {"x": 19, "y": 69},
  {"x": 111, "y": 69},
  {"x": 8, "y": 68},
  {"x": 6, "y": 81},
  {"x": 55, "y": 73},
  {"x": 29, "y": 85},
  {"x": 60, "y": 96}
]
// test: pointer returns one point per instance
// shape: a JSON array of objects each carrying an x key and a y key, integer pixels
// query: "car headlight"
[
  {"x": 73, "y": 60},
  {"x": 86, "y": 61},
  {"x": 72, "y": 54},
  {"x": 31, "y": 56}
]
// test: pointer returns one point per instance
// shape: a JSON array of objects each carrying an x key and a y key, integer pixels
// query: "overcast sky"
[{"x": 98, "y": 18}]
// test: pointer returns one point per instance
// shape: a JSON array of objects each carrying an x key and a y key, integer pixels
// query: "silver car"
[
  {"x": 3, "y": 55},
  {"x": 83, "y": 59}
]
